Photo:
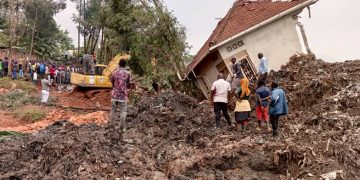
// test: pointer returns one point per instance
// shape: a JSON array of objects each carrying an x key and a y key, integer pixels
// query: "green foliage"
[
  {"x": 49, "y": 40},
  {"x": 17, "y": 98},
  {"x": 3, "y": 39},
  {"x": 146, "y": 29},
  {"x": 31, "y": 115},
  {"x": 8, "y": 83},
  {"x": 8, "y": 134},
  {"x": 20, "y": 93},
  {"x": 35, "y": 25}
]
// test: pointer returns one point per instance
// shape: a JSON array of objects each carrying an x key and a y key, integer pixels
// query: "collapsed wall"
[{"x": 171, "y": 136}]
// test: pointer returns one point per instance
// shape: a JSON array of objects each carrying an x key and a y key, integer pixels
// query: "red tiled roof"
[{"x": 242, "y": 16}]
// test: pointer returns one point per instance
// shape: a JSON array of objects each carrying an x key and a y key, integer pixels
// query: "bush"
[
  {"x": 8, "y": 134},
  {"x": 8, "y": 83},
  {"x": 31, "y": 115},
  {"x": 16, "y": 98}
]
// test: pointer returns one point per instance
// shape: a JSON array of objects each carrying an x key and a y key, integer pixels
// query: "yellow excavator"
[{"x": 96, "y": 76}]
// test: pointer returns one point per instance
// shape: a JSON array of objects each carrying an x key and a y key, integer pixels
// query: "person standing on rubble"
[
  {"x": 262, "y": 104},
  {"x": 6, "y": 67},
  {"x": 45, "y": 92},
  {"x": 263, "y": 67},
  {"x": 220, "y": 91},
  {"x": 278, "y": 106},
  {"x": 120, "y": 80},
  {"x": 14, "y": 70},
  {"x": 242, "y": 108},
  {"x": 1, "y": 68},
  {"x": 238, "y": 74}
]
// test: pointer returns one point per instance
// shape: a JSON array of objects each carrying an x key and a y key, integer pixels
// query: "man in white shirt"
[
  {"x": 45, "y": 92},
  {"x": 219, "y": 97},
  {"x": 263, "y": 67}
]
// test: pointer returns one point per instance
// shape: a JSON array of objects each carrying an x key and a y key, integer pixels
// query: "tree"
[
  {"x": 30, "y": 24},
  {"x": 43, "y": 35},
  {"x": 145, "y": 29}
]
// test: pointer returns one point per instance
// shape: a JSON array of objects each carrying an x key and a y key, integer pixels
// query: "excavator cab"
[
  {"x": 99, "y": 69},
  {"x": 96, "y": 76},
  {"x": 88, "y": 65}
]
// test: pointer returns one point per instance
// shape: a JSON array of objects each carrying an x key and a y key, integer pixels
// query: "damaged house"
[{"x": 248, "y": 28}]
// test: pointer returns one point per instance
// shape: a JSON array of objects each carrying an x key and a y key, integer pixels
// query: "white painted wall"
[{"x": 278, "y": 41}]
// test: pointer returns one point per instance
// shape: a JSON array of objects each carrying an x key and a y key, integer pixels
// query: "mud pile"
[
  {"x": 85, "y": 99},
  {"x": 172, "y": 136},
  {"x": 98, "y": 117}
]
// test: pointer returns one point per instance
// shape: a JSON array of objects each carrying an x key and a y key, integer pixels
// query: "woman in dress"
[{"x": 242, "y": 108}]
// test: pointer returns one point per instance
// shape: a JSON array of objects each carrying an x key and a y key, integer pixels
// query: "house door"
[
  {"x": 222, "y": 68},
  {"x": 203, "y": 85},
  {"x": 248, "y": 67},
  {"x": 249, "y": 70}
]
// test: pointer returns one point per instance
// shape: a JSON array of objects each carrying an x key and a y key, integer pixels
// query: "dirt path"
[
  {"x": 8, "y": 123},
  {"x": 73, "y": 107},
  {"x": 7, "y": 120}
]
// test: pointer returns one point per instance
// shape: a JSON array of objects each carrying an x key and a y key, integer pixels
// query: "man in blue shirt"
[
  {"x": 262, "y": 105},
  {"x": 278, "y": 106},
  {"x": 263, "y": 67}
]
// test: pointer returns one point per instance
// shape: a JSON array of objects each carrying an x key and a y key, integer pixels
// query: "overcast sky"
[{"x": 333, "y": 30}]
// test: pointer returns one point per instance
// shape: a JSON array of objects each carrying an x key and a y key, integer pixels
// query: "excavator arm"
[{"x": 114, "y": 64}]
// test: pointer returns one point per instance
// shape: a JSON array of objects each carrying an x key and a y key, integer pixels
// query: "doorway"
[{"x": 222, "y": 68}]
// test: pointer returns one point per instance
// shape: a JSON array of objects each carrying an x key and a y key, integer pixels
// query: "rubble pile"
[
  {"x": 172, "y": 136},
  {"x": 322, "y": 129}
]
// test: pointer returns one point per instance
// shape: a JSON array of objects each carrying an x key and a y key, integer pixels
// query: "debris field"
[{"x": 172, "y": 136}]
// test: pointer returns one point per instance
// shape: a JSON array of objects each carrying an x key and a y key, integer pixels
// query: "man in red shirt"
[
  {"x": 120, "y": 79},
  {"x": 52, "y": 71}
]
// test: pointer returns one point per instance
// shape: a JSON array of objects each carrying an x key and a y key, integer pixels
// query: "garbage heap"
[{"x": 172, "y": 136}]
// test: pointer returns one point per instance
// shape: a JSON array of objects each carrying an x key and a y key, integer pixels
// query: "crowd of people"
[
  {"x": 271, "y": 102},
  {"x": 34, "y": 70},
  {"x": 43, "y": 72}
]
